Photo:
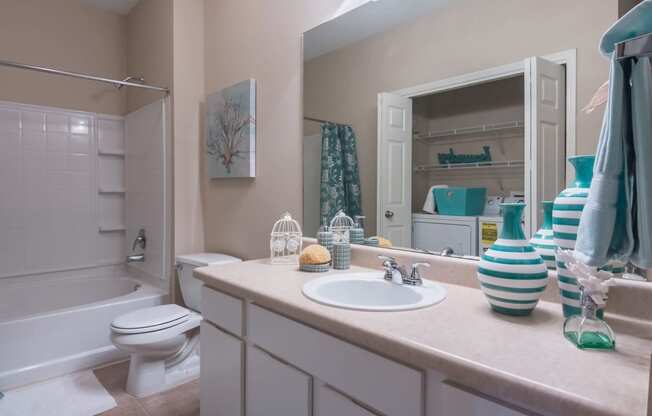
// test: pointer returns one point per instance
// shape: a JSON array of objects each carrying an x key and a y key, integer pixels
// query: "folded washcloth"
[{"x": 430, "y": 206}]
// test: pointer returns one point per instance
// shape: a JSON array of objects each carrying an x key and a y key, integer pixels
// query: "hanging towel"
[
  {"x": 430, "y": 205},
  {"x": 605, "y": 228},
  {"x": 642, "y": 173},
  {"x": 616, "y": 220},
  {"x": 636, "y": 22}
]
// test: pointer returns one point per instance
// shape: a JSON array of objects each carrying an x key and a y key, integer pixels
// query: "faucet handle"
[
  {"x": 389, "y": 263},
  {"x": 415, "y": 276},
  {"x": 386, "y": 259}
]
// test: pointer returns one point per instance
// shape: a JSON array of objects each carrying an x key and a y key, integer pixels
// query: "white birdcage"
[
  {"x": 285, "y": 241},
  {"x": 340, "y": 226}
]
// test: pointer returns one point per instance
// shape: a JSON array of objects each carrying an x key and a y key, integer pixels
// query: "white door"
[
  {"x": 545, "y": 136},
  {"x": 394, "y": 207}
]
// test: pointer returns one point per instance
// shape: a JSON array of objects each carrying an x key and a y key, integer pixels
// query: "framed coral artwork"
[{"x": 231, "y": 131}]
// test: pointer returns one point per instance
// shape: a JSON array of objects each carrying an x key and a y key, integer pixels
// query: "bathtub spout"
[{"x": 136, "y": 258}]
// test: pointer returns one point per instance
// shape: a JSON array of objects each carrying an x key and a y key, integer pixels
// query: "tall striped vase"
[
  {"x": 543, "y": 240},
  {"x": 512, "y": 274},
  {"x": 566, "y": 213}
]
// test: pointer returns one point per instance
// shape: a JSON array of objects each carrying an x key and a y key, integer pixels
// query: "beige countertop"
[{"x": 522, "y": 360}]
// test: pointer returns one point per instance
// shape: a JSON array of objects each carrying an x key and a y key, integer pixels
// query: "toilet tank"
[{"x": 190, "y": 286}]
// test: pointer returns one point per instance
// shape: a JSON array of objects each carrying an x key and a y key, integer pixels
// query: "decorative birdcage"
[
  {"x": 285, "y": 241},
  {"x": 340, "y": 226}
]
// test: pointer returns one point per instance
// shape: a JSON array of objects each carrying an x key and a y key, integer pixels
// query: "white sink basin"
[{"x": 370, "y": 292}]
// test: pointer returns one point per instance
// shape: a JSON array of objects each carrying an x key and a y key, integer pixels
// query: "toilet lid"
[{"x": 147, "y": 318}]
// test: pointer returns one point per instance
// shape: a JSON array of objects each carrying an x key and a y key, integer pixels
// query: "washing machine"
[
  {"x": 488, "y": 231},
  {"x": 436, "y": 232}
]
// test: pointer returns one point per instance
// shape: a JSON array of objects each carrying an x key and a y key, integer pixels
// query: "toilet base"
[{"x": 151, "y": 375}]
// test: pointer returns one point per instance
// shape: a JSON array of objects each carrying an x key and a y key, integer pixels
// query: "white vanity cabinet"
[
  {"x": 255, "y": 362},
  {"x": 221, "y": 363},
  {"x": 275, "y": 388},
  {"x": 328, "y": 402}
]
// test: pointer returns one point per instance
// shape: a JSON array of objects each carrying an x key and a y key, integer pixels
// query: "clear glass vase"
[{"x": 588, "y": 330}]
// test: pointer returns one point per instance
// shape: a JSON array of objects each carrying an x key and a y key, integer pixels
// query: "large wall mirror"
[{"x": 422, "y": 115}]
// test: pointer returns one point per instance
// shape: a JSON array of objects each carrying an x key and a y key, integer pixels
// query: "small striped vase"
[
  {"x": 512, "y": 274},
  {"x": 566, "y": 213},
  {"x": 543, "y": 240}
]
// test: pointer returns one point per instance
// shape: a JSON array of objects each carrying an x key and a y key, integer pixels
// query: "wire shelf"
[
  {"x": 481, "y": 132},
  {"x": 485, "y": 166}
]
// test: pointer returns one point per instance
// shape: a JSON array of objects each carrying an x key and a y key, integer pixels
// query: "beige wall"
[
  {"x": 469, "y": 35},
  {"x": 149, "y": 49},
  {"x": 62, "y": 34},
  {"x": 188, "y": 69},
  {"x": 259, "y": 39}
]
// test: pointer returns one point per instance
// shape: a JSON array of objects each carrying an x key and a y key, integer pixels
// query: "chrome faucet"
[
  {"x": 393, "y": 272},
  {"x": 397, "y": 274},
  {"x": 140, "y": 241}
]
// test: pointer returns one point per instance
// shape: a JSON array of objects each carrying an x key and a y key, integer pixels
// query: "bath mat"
[{"x": 77, "y": 394}]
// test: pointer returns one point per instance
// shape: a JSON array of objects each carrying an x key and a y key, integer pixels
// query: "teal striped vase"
[
  {"x": 543, "y": 240},
  {"x": 512, "y": 274},
  {"x": 566, "y": 213}
]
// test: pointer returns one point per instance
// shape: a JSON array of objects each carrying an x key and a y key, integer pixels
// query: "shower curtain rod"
[
  {"x": 318, "y": 120},
  {"x": 53, "y": 71}
]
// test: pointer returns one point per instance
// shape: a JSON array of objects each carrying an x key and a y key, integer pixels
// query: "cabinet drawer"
[
  {"x": 328, "y": 402},
  {"x": 221, "y": 364},
  {"x": 275, "y": 388},
  {"x": 391, "y": 388},
  {"x": 223, "y": 310},
  {"x": 455, "y": 401}
]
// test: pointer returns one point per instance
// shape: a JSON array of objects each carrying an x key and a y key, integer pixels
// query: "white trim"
[
  {"x": 465, "y": 80},
  {"x": 569, "y": 59},
  {"x": 379, "y": 122}
]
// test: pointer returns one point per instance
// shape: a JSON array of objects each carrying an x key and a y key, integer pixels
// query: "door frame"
[{"x": 568, "y": 58}]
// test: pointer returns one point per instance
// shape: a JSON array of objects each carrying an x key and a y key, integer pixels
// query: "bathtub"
[{"x": 54, "y": 325}]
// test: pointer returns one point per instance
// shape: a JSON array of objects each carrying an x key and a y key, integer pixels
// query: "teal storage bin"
[{"x": 460, "y": 201}]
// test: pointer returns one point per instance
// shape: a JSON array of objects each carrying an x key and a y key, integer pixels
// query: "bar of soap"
[
  {"x": 315, "y": 254},
  {"x": 383, "y": 242}
]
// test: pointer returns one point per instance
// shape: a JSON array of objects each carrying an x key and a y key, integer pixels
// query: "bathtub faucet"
[{"x": 136, "y": 258}]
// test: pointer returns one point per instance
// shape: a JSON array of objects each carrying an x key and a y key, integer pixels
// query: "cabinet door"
[
  {"x": 328, "y": 402},
  {"x": 275, "y": 388},
  {"x": 457, "y": 402},
  {"x": 221, "y": 373}
]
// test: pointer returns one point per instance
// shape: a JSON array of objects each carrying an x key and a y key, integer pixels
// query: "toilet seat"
[{"x": 155, "y": 318}]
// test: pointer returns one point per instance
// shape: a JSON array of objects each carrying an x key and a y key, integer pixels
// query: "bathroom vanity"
[{"x": 269, "y": 350}]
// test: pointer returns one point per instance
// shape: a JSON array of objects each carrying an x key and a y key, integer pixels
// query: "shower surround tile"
[{"x": 49, "y": 203}]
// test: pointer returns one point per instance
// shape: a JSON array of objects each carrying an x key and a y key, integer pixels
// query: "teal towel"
[
  {"x": 642, "y": 137},
  {"x": 636, "y": 22},
  {"x": 616, "y": 220}
]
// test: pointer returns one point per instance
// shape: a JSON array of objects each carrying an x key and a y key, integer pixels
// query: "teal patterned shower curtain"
[{"x": 340, "y": 175}]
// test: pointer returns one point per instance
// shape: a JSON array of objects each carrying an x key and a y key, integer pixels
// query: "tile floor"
[{"x": 180, "y": 401}]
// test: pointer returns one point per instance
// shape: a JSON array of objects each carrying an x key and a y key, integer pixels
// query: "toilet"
[{"x": 164, "y": 340}]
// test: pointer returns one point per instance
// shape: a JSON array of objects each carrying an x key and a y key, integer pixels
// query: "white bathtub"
[{"x": 54, "y": 325}]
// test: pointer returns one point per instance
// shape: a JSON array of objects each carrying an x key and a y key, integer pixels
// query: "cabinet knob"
[{"x": 389, "y": 214}]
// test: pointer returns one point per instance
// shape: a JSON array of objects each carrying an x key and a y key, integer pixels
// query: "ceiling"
[
  {"x": 116, "y": 6},
  {"x": 361, "y": 20}
]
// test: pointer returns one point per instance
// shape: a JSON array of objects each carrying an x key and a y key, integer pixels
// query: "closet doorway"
[{"x": 522, "y": 114}]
